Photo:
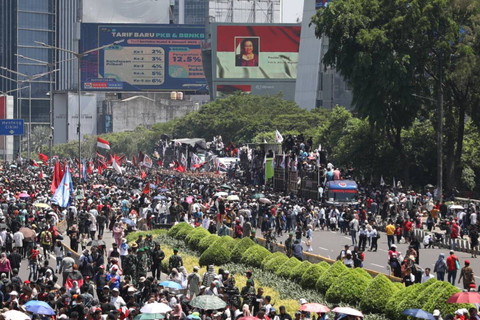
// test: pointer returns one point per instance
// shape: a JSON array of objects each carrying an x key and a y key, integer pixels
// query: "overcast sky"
[{"x": 292, "y": 10}]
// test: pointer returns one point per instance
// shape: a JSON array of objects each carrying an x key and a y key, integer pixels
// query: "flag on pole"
[
  {"x": 382, "y": 182},
  {"x": 102, "y": 143},
  {"x": 184, "y": 160},
  {"x": 278, "y": 136},
  {"x": 394, "y": 183},
  {"x": 116, "y": 166},
  {"x": 84, "y": 171},
  {"x": 61, "y": 196},
  {"x": 195, "y": 161},
  {"x": 282, "y": 164},
  {"x": 43, "y": 157},
  {"x": 273, "y": 161}
]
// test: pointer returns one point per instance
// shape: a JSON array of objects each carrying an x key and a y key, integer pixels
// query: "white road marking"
[
  {"x": 377, "y": 265},
  {"x": 324, "y": 249}
]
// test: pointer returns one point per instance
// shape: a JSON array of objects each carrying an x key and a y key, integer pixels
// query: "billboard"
[
  {"x": 151, "y": 58},
  {"x": 257, "y": 51},
  {"x": 126, "y": 11}
]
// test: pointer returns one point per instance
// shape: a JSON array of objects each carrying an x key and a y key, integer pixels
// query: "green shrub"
[
  {"x": 391, "y": 306},
  {"x": 287, "y": 267},
  {"x": 172, "y": 232},
  {"x": 229, "y": 242},
  {"x": 206, "y": 242},
  {"x": 329, "y": 276},
  {"x": 240, "y": 247},
  {"x": 274, "y": 262},
  {"x": 183, "y": 232},
  {"x": 415, "y": 299},
  {"x": 348, "y": 287},
  {"x": 216, "y": 255},
  {"x": 254, "y": 256},
  {"x": 438, "y": 299},
  {"x": 310, "y": 277},
  {"x": 377, "y": 294},
  {"x": 362, "y": 273},
  {"x": 195, "y": 236},
  {"x": 132, "y": 236},
  {"x": 297, "y": 273}
]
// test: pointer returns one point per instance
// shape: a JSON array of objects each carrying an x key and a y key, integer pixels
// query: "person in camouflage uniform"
[
  {"x": 149, "y": 243},
  {"x": 140, "y": 241},
  {"x": 142, "y": 264},
  {"x": 175, "y": 261},
  {"x": 131, "y": 265}
]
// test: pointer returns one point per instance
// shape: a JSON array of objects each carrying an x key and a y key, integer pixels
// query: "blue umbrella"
[
  {"x": 170, "y": 284},
  {"x": 419, "y": 313},
  {"x": 39, "y": 307},
  {"x": 159, "y": 198},
  {"x": 163, "y": 190},
  {"x": 130, "y": 222}
]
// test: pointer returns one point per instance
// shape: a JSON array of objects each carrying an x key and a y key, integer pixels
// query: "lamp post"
[
  {"x": 29, "y": 79},
  {"x": 51, "y": 67},
  {"x": 79, "y": 56}
]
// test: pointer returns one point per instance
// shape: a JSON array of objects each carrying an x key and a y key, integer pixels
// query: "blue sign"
[
  {"x": 150, "y": 57},
  {"x": 11, "y": 127}
]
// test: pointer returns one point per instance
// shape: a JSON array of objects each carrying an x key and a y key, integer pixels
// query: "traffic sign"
[{"x": 11, "y": 127}]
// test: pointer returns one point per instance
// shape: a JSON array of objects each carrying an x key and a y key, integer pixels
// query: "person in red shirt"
[
  {"x": 454, "y": 234},
  {"x": 453, "y": 264},
  {"x": 407, "y": 229}
]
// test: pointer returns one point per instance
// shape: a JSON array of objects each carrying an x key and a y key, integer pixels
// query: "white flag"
[
  {"x": 116, "y": 166},
  {"x": 382, "y": 182},
  {"x": 278, "y": 136},
  {"x": 282, "y": 164}
]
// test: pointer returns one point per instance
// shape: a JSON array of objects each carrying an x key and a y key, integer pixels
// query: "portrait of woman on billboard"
[{"x": 246, "y": 52}]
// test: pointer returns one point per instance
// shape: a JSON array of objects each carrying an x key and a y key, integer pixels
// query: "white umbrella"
[
  {"x": 15, "y": 315},
  {"x": 349, "y": 311},
  {"x": 456, "y": 207},
  {"x": 264, "y": 200},
  {"x": 221, "y": 194},
  {"x": 155, "y": 308},
  {"x": 233, "y": 198}
]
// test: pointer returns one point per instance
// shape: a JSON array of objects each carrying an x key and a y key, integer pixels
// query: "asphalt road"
[{"x": 330, "y": 243}]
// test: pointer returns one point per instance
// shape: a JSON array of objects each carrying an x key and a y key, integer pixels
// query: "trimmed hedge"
[
  {"x": 184, "y": 232},
  {"x": 206, "y": 242},
  {"x": 297, "y": 273},
  {"x": 274, "y": 262},
  {"x": 377, "y": 294},
  {"x": 414, "y": 297},
  {"x": 391, "y": 306},
  {"x": 438, "y": 300},
  {"x": 240, "y": 247},
  {"x": 286, "y": 268},
  {"x": 216, "y": 255},
  {"x": 362, "y": 272},
  {"x": 172, "y": 232},
  {"x": 194, "y": 237},
  {"x": 254, "y": 256},
  {"x": 329, "y": 276},
  {"x": 228, "y": 242},
  {"x": 310, "y": 277},
  {"x": 348, "y": 287}
]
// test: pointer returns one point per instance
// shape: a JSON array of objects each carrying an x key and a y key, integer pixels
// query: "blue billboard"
[{"x": 150, "y": 58}]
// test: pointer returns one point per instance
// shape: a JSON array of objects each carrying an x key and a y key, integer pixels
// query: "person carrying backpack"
[{"x": 46, "y": 241}]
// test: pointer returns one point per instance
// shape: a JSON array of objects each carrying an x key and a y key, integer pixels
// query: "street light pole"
[
  {"x": 29, "y": 79},
  {"x": 79, "y": 56}
]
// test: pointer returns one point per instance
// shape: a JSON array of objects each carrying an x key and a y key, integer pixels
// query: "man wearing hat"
[
  {"x": 248, "y": 293},
  {"x": 175, "y": 261},
  {"x": 467, "y": 275},
  {"x": 289, "y": 245}
]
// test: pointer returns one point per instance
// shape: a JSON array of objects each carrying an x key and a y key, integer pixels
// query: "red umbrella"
[
  {"x": 314, "y": 307},
  {"x": 465, "y": 297}
]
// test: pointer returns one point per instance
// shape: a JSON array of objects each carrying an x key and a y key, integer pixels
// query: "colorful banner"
[
  {"x": 224, "y": 90},
  {"x": 151, "y": 57},
  {"x": 259, "y": 52}
]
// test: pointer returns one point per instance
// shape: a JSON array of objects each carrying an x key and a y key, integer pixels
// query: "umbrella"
[
  {"x": 171, "y": 285},
  {"x": 248, "y": 318},
  {"x": 16, "y": 315},
  {"x": 24, "y": 195},
  {"x": 155, "y": 308},
  {"x": 97, "y": 186},
  {"x": 455, "y": 207},
  {"x": 208, "y": 303},
  {"x": 314, "y": 307},
  {"x": 13, "y": 166},
  {"x": 129, "y": 222},
  {"x": 349, "y": 311},
  {"x": 233, "y": 198},
  {"x": 465, "y": 297},
  {"x": 149, "y": 316},
  {"x": 226, "y": 186},
  {"x": 418, "y": 313},
  {"x": 159, "y": 198},
  {"x": 96, "y": 243},
  {"x": 265, "y": 200},
  {"x": 28, "y": 233},
  {"x": 41, "y": 205},
  {"x": 163, "y": 190},
  {"x": 258, "y": 196},
  {"x": 40, "y": 307},
  {"x": 429, "y": 186},
  {"x": 221, "y": 194}
]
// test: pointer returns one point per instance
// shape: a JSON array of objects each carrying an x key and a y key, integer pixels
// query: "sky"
[{"x": 292, "y": 9}]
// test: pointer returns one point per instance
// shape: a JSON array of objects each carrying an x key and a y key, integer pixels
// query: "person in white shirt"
[
  {"x": 212, "y": 290},
  {"x": 116, "y": 299},
  {"x": 18, "y": 240},
  {"x": 426, "y": 275},
  {"x": 473, "y": 218}
]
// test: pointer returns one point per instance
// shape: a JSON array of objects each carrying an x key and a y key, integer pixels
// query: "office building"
[{"x": 316, "y": 85}]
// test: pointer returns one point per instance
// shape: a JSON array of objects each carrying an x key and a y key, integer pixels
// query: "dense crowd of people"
[{"x": 115, "y": 281}]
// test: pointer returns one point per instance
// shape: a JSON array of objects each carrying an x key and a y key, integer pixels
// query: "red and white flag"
[
  {"x": 278, "y": 136},
  {"x": 102, "y": 143}
]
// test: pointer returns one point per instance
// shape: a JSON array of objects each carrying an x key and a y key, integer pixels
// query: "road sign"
[{"x": 11, "y": 127}]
